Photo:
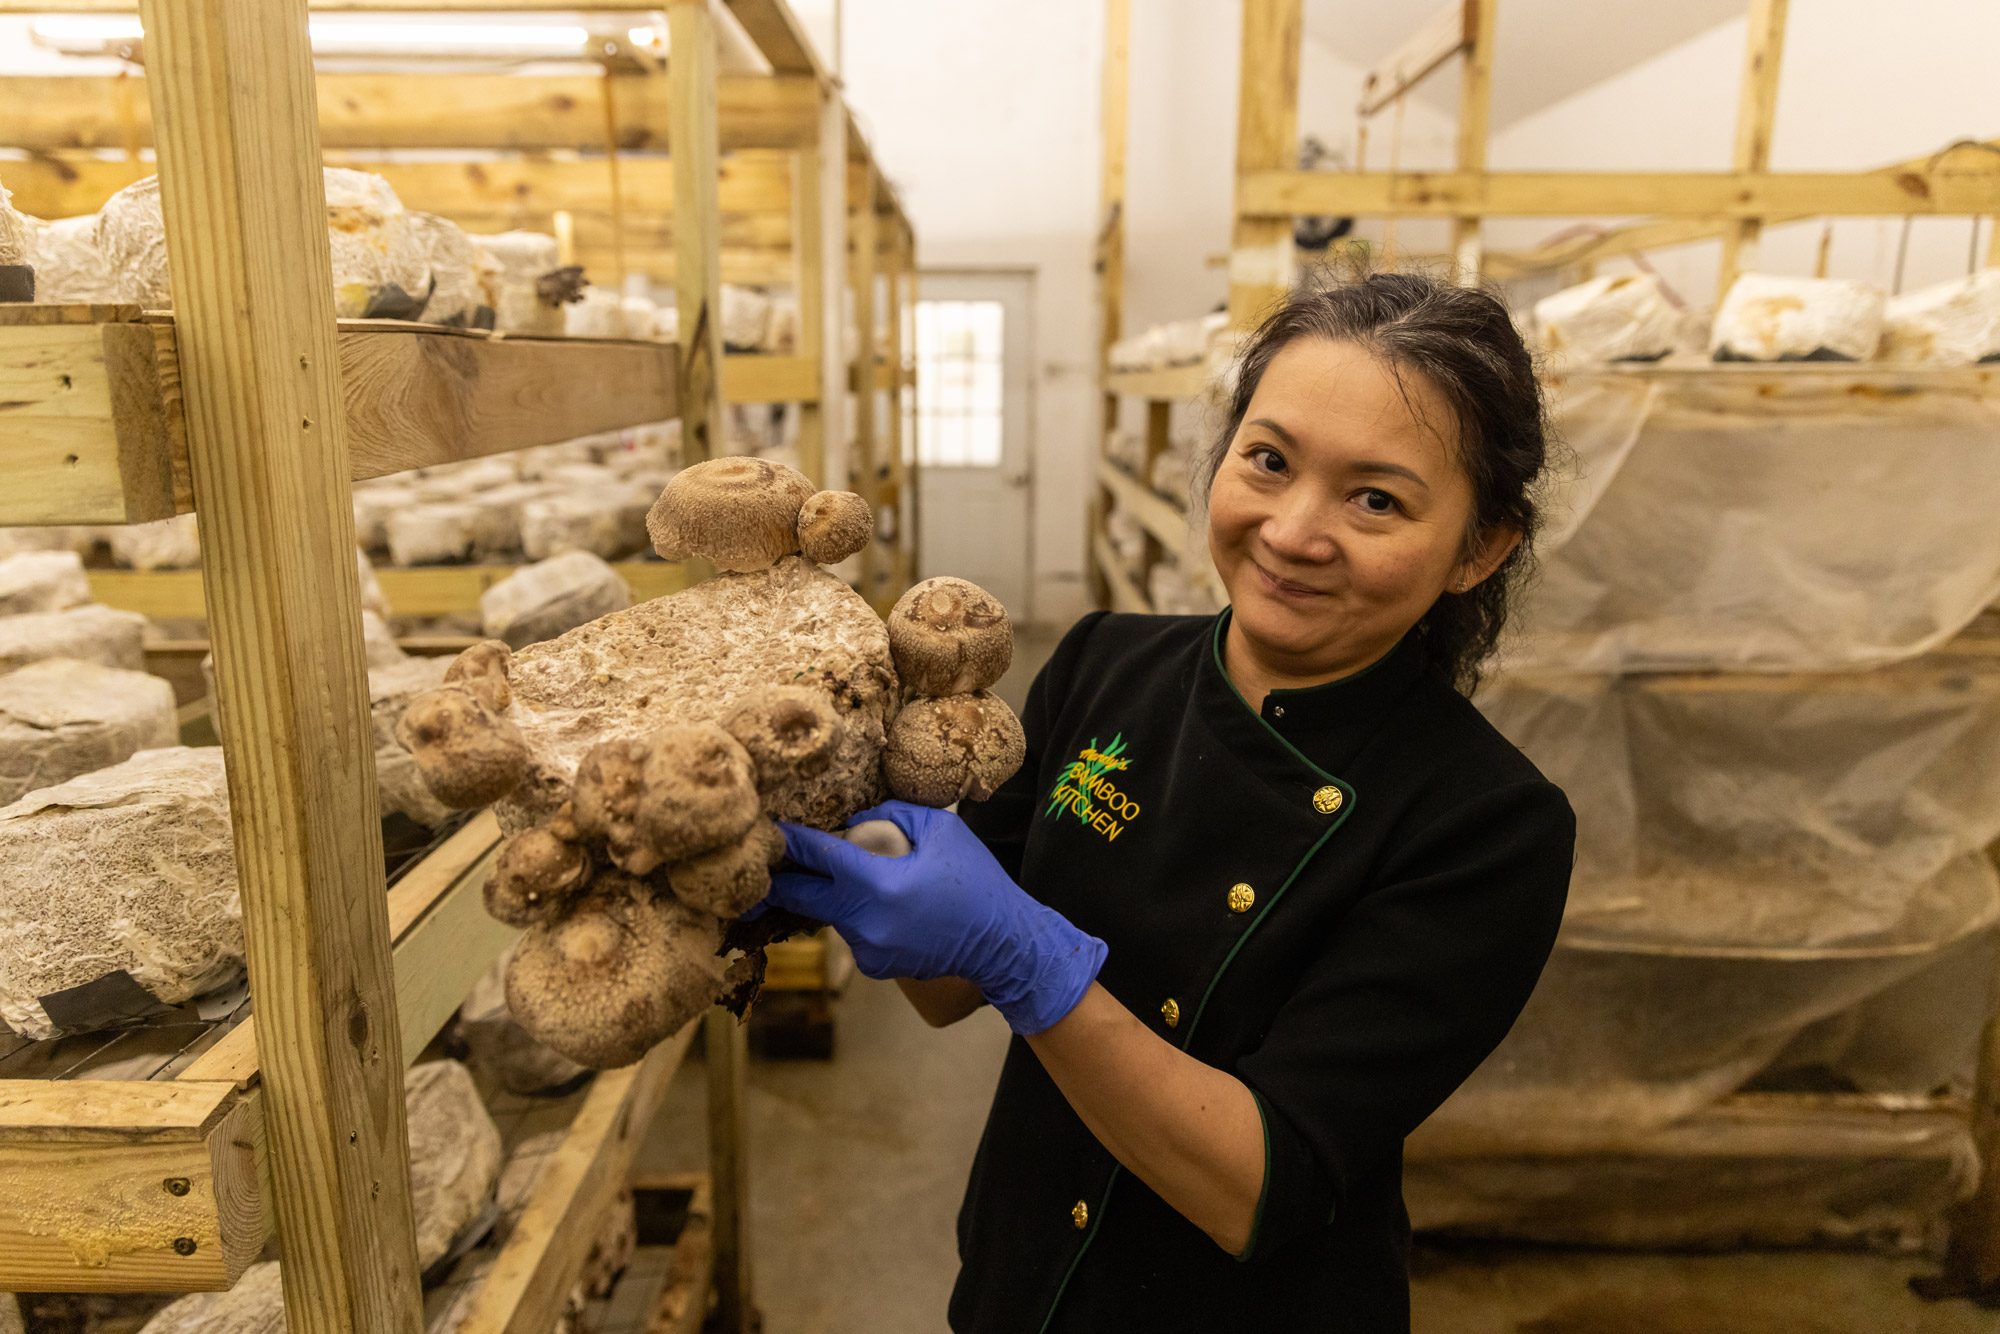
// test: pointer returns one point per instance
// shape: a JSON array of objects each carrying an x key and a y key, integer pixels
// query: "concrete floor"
[{"x": 858, "y": 1164}]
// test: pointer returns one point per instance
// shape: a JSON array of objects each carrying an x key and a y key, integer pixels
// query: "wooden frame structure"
[
  {"x": 1669, "y": 208},
  {"x": 248, "y": 405}
]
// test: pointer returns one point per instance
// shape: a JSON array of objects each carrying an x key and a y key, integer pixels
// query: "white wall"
[
  {"x": 1862, "y": 84},
  {"x": 986, "y": 114}
]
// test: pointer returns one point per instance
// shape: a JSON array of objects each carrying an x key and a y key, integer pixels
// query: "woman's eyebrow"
[
  {"x": 1276, "y": 430},
  {"x": 1389, "y": 469}
]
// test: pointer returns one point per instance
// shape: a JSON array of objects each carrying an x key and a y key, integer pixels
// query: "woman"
[{"x": 1268, "y": 887}]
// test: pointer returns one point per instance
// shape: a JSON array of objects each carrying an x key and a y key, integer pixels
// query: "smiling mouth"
[{"x": 1285, "y": 588}]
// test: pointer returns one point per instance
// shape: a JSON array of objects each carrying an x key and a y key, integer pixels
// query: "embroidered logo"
[{"x": 1087, "y": 791}]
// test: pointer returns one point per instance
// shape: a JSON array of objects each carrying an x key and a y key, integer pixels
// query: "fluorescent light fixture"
[{"x": 334, "y": 35}]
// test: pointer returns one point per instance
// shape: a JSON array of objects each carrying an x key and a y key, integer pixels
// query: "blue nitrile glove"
[{"x": 945, "y": 909}]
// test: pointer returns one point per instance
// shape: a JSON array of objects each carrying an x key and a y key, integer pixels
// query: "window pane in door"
[{"x": 959, "y": 345}]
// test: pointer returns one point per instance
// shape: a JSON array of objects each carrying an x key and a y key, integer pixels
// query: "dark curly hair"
[{"x": 1464, "y": 344}]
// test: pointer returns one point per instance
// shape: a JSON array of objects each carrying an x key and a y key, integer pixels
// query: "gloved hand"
[{"x": 945, "y": 909}]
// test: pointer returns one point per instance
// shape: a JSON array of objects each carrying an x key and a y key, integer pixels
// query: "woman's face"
[{"x": 1338, "y": 514}]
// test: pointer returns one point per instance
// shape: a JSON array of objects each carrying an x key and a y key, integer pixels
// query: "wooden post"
[
  {"x": 1474, "y": 104},
  {"x": 697, "y": 223},
  {"x": 830, "y": 292},
  {"x": 896, "y": 285},
  {"x": 1115, "y": 116},
  {"x": 1159, "y": 421},
  {"x": 866, "y": 465},
  {"x": 728, "y": 1163},
  {"x": 809, "y": 268},
  {"x": 913, "y": 470},
  {"x": 1267, "y": 115},
  {"x": 231, "y": 85},
  {"x": 1764, "y": 52},
  {"x": 1972, "y": 1262}
]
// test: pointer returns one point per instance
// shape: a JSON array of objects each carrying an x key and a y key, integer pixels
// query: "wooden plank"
[
  {"x": 443, "y": 943},
  {"x": 724, "y": 1045},
  {"x": 426, "y": 590},
  {"x": 1475, "y": 97},
  {"x": 697, "y": 285},
  {"x": 1267, "y": 120},
  {"x": 523, "y": 1292},
  {"x": 1755, "y": 111},
  {"x": 127, "y": 1187},
  {"x": 809, "y": 169},
  {"x": 682, "y": 1305},
  {"x": 231, "y": 84},
  {"x": 765, "y": 377},
  {"x": 1175, "y": 384},
  {"x": 51, "y": 113},
  {"x": 866, "y": 465},
  {"x": 1442, "y": 36},
  {"x": 1659, "y": 234},
  {"x": 776, "y": 32},
  {"x": 1285, "y": 193},
  {"x": 96, "y": 430},
  {"x": 1125, "y": 595},
  {"x": 752, "y": 268},
  {"x": 1159, "y": 516},
  {"x": 1114, "y": 114}
]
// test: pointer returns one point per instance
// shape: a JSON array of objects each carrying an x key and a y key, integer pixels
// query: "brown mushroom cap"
[
  {"x": 952, "y": 749},
  {"x": 535, "y": 878},
  {"x": 482, "y": 669},
  {"x": 700, "y": 791},
  {"x": 616, "y": 976},
  {"x": 604, "y": 802},
  {"x": 790, "y": 731},
  {"x": 834, "y": 525},
  {"x": 727, "y": 881},
  {"x": 469, "y": 756},
  {"x": 740, "y": 513},
  {"x": 949, "y": 637}
]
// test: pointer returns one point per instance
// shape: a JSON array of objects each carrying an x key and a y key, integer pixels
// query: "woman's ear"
[{"x": 1494, "y": 548}]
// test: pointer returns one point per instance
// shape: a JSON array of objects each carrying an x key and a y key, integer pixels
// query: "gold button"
[
  {"x": 1327, "y": 800},
  {"x": 1241, "y": 896},
  {"x": 1080, "y": 1215},
  {"x": 1170, "y": 1010}
]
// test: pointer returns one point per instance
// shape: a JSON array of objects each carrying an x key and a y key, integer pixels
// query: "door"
[{"x": 971, "y": 419}]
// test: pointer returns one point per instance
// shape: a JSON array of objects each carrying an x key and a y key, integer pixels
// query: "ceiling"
[{"x": 1544, "y": 50}]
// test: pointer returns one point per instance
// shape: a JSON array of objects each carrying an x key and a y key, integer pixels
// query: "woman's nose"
[{"x": 1298, "y": 531}]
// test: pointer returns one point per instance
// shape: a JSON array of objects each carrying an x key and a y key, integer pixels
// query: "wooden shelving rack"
[
  {"x": 1668, "y": 209},
  {"x": 252, "y": 407}
]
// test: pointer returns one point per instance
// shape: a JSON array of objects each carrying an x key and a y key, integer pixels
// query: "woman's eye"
[
  {"x": 1266, "y": 459},
  {"x": 1378, "y": 502}
]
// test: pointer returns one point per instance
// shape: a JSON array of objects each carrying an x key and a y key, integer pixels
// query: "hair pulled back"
[{"x": 1463, "y": 343}]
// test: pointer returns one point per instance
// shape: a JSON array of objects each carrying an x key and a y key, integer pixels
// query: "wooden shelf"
[
  {"x": 93, "y": 430},
  {"x": 417, "y": 590},
  {"x": 1170, "y": 385},
  {"x": 1166, "y": 521},
  {"x": 763, "y": 377},
  {"x": 1125, "y": 595},
  {"x": 109, "y": 1181}
]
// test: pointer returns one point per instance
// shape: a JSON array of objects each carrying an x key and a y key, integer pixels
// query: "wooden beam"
[
  {"x": 1165, "y": 521},
  {"x": 232, "y": 88},
  {"x": 1267, "y": 119},
  {"x": 777, "y": 34},
  {"x": 828, "y": 298},
  {"x": 754, "y": 268},
  {"x": 763, "y": 377},
  {"x": 1175, "y": 384},
  {"x": 1754, "y": 114},
  {"x": 809, "y": 283},
  {"x": 421, "y": 590},
  {"x": 691, "y": 108},
  {"x": 538, "y": 1263},
  {"x": 520, "y": 112},
  {"x": 726, "y": 1050},
  {"x": 1442, "y": 36},
  {"x": 1114, "y": 114},
  {"x": 1282, "y": 194},
  {"x": 1475, "y": 97},
  {"x": 866, "y": 465},
  {"x": 96, "y": 424},
  {"x": 121, "y": 1186},
  {"x": 1125, "y": 595}
]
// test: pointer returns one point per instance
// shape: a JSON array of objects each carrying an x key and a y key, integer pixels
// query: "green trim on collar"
[
  {"x": 1293, "y": 692},
  {"x": 1263, "y": 1190}
]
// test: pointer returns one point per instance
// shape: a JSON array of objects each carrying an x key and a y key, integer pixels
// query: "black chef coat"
[{"x": 1343, "y": 899}]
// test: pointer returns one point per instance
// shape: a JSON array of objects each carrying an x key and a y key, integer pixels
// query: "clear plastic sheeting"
[
  {"x": 1770, "y": 870},
  {"x": 1766, "y": 518}
]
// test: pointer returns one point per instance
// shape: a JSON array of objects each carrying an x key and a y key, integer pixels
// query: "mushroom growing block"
[
  {"x": 42, "y": 581},
  {"x": 541, "y": 601},
  {"x": 638, "y": 761},
  {"x": 91, "y": 633},
  {"x": 1768, "y": 317},
  {"x": 148, "y": 914},
  {"x": 60, "y": 718}
]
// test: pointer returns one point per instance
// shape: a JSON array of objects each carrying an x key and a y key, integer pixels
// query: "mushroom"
[
  {"x": 790, "y": 731},
  {"x": 535, "y": 878},
  {"x": 834, "y": 525},
  {"x": 949, "y": 637},
  {"x": 616, "y": 976},
  {"x": 700, "y": 791},
  {"x": 727, "y": 881},
  {"x": 604, "y": 802},
  {"x": 468, "y": 755},
  {"x": 951, "y": 749},
  {"x": 482, "y": 669},
  {"x": 742, "y": 514}
]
